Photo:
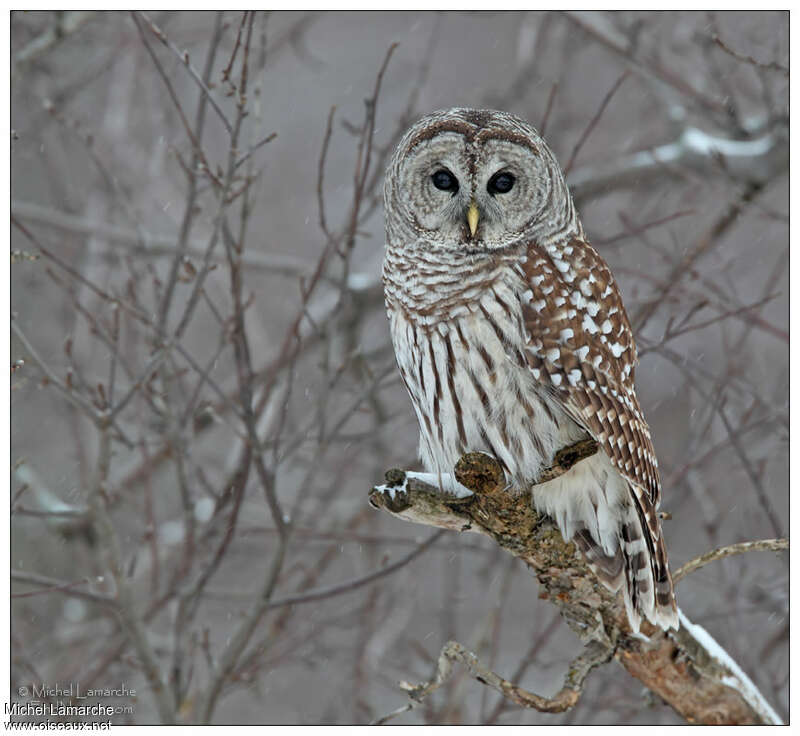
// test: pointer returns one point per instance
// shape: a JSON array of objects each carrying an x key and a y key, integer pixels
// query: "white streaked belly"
[{"x": 471, "y": 392}]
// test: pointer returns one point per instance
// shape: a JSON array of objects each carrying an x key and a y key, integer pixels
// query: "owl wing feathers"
[
  {"x": 581, "y": 343},
  {"x": 581, "y": 348}
]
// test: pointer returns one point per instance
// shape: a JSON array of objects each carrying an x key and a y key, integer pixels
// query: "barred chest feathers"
[{"x": 461, "y": 356}]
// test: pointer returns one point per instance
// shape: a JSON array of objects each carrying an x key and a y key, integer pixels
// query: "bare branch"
[
  {"x": 760, "y": 158},
  {"x": 764, "y": 502},
  {"x": 51, "y": 585},
  {"x": 193, "y": 73},
  {"x": 74, "y": 398},
  {"x": 548, "y": 109},
  {"x": 64, "y": 26},
  {"x": 593, "y": 122},
  {"x": 196, "y": 147},
  {"x": 351, "y": 585},
  {"x": 770, "y": 66},
  {"x": 707, "y": 241},
  {"x": 108, "y": 543},
  {"x": 157, "y": 246},
  {"x": 321, "y": 175},
  {"x": 762, "y": 545},
  {"x": 599, "y": 27},
  {"x": 192, "y": 170},
  {"x": 565, "y": 699}
]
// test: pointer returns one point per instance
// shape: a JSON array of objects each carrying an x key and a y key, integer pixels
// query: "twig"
[
  {"x": 191, "y": 175},
  {"x": 115, "y": 353},
  {"x": 226, "y": 72},
  {"x": 769, "y": 66},
  {"x": 351, "y": 585},
  {"x": 65, "y": 24},
  {"x": 292, "y": 343},
  {"x": 256, "y": 147},
  {"x": 548, "y": 109},
  {"x": 630, "y": 232},
  {"x": 79, "y": 277},
  {"x": 671, "y": 334},
  {"x": 365, "y": 149},
  {"x": 321, "y": 174},
  {"x": 235, "y": 487},
  {"x": 600, "y": 27},
  {"x": 593, "y": 122},
  {"x": 678, "y": 475},
  {"x": 402, "y": 123},
  {"x": 763, "y": 499},
  {"x": 705, "y": 243},
  {"x": 75, "y": 399},
  {"x": 525, "y": 662},
  {"x": 763, "y": 545},
  {"x": 52, "y": 585},
  {"x": 565, "y": 699},
  {"x": 108, "y": 543},
  {"x": 184, "y": 58},
  {"x": 196, "y": 147},
  {"x": 77, "y": 514},
  {"x": 237, "y": 644},
  {"x": 158, "y": 245},
  {"x": 152, "y": 365}
]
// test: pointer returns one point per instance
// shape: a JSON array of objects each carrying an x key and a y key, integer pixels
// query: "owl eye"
[
  {"x": 445, "y": 181},
  {"x": 501, "y": 183}
]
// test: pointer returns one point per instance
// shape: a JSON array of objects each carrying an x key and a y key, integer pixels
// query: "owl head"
[{"x": 478, "y": 180}]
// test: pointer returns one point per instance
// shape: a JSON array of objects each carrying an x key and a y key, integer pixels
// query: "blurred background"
[{"x": 203, "y": 389}]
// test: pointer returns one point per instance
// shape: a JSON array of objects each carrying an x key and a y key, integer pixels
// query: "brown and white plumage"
[{"x": 511, "y": 338}]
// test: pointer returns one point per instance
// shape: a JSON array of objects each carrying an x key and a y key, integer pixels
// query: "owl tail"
[{"x": 638, "y": 565}]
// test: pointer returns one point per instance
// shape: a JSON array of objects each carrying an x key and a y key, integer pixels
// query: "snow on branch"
[{"x": 758, "y": 158}]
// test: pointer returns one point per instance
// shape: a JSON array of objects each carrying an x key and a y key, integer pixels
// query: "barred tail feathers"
[
  {"x": 641, "y": 573},
  {"x": 618, "y": 534},
  {"x": 665, "y": 609}
]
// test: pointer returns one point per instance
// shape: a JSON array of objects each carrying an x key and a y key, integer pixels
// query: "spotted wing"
[{"x": 581, "y": 348}]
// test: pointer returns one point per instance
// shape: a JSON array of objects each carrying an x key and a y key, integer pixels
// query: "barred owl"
[{"x": 511, "y": 338}]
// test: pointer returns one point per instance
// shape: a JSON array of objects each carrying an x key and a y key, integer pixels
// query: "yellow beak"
[{"x": 472, "y": 218}]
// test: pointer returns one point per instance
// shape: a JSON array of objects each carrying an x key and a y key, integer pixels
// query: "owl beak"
[{"x": 472, "y": 218}]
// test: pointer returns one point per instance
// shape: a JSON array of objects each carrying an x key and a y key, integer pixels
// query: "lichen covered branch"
[{"x": 681, "y": 667}]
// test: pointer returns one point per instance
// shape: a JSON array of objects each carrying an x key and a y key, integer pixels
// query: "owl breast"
[{"x": 463, "y": 361}]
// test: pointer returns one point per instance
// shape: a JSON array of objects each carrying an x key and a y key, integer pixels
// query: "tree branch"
[
  {"x": 761, "y": 159},
  {"x": 687, "y": 668},
  {"x": 564, "y": 700},
  {"x": 762, "y": 545},
  {"x": 65, "y": 25}
]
